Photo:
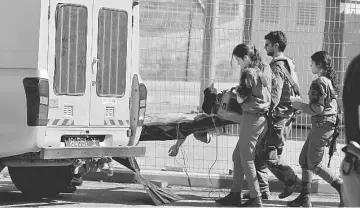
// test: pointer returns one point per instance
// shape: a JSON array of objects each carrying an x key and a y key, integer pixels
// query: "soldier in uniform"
[
  {"x": 270, "y": 147},
  {"x": 322, "y": 107},
  {"x": 253, "y": 94}
]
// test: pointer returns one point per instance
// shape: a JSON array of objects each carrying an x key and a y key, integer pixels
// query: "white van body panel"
[{"x": 23, "y": 37}]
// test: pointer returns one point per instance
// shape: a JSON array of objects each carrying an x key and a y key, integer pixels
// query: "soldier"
[
  {"x": 322, "y": 107},
  {"x": 253, "y": 94},
  {"x": 270, "y": 147}
]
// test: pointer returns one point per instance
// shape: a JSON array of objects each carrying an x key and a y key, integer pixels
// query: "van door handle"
[{"x": 95, "y": 61}]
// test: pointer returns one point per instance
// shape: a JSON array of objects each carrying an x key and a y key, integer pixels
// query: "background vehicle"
[{"x": 70, "y": 90}]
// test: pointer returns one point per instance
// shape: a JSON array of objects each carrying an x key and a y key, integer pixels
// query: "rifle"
[{"x": 332, "y": 147}]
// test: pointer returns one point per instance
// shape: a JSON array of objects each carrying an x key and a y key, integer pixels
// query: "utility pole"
[{"x": 209, "y": 43}]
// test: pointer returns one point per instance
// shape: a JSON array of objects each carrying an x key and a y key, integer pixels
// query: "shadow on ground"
[{"x": 111, "y": 194}]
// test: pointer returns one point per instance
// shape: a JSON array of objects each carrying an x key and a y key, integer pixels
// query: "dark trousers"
[{"x": 268, "y": 155}]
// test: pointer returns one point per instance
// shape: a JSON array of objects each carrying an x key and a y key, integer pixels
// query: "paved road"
[{"x": 102, "y": 194}]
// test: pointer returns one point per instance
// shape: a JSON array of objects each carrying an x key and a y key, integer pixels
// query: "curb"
[{"x": 194, "y": 180}]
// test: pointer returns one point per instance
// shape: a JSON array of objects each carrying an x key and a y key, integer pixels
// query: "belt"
[{"x": 323, "y": 116}]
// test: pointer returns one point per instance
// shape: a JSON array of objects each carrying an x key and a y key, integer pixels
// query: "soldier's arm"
[
  {"x": 277, "y": 85},
  {"x": 317, "y": 96},
  {"x": 247, "y": 81}
]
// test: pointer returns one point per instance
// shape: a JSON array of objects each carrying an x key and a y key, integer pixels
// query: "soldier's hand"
[{"x": 296, "y": 104}]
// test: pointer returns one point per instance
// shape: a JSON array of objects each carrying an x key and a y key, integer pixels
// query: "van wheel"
[{"x": 40, "y": 182}]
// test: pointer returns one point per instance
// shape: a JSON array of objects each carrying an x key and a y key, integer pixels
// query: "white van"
[{"x": 69, "y": 88}]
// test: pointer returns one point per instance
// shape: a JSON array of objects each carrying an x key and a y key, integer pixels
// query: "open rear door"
[
  {"x": 111, "y": 55},
  {"x": 134, "y": 111}
]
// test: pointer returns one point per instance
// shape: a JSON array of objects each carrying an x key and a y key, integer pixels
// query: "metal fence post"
[{"x": 209, "y": 43}]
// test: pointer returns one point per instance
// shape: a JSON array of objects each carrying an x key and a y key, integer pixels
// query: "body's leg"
[
  {"x": 233, "y": 198},
  {"x": 319, "y": 139},
  {"x": 262, "y": 175},
  {"x": 261, "y": 171},
  {"x": 271, "y": 155},
  {"x": 303, "y": 199},
  {"x": 250, "y": 132},
  {"x": 238, "y": 174}
]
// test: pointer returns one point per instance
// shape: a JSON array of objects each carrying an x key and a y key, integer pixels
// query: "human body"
[
  {"x": 253, "y": 94},
  {"x": 322, "y": 107},
  {"x": 350, "y": 168},
  {"x": 270, "y": 147}
]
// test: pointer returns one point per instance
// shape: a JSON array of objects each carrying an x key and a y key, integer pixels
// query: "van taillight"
[
  {"x": 37, "y": 101},
  {"x": 142, "y": 103}
]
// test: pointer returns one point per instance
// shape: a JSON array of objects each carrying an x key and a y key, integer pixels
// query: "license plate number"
[{"x": 81, "y": 142}]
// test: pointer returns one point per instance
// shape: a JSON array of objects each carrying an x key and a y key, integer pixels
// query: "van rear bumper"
[{"x": 89, "y": 152}]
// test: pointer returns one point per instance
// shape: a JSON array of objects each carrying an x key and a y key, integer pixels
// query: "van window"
[
  {"x": 112, "y": 52},
  {"x": 70, "y": 50}
]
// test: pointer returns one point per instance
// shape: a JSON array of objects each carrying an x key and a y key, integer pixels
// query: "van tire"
[{"x": 41, "y": 182}]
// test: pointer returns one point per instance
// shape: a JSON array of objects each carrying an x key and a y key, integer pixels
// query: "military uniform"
[
  {"x": 270, "y": 147},
  {"x": 323, "y": 110},
  {"x": 252, "y": 126}
]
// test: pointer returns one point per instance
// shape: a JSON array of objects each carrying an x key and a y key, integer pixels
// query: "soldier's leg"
[
  {"x": 317, "y": 142},
  {"x": 262, "y": 175},
  {"x": 272, "y": 155},
  {"x": 303, "y": 199},
  {"x": 238, "y": 174},
  {"x": 249, "y": 134},
  {"x": 233, "y": 198}
]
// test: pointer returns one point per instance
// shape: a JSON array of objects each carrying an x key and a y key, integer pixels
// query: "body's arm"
[
  {"x": 247, "y": 81},
  {"x": 173, "y": 150},
  {"x": 277, "y": 86},
  {"x": 317, "y": 97}
]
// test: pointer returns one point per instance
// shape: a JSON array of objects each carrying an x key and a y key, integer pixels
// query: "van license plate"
[{"x": 81, "y": 142}]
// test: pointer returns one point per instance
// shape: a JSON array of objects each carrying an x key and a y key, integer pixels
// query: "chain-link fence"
[{"x": 171, "y": 45}]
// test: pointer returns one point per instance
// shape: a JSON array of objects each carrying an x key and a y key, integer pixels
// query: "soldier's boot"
[
  {"x": 288, "y": 190},
  {"x": 253, "y": 202},
  {"x": 337, "y": 185},
  {"x": 232, "y": 199},
  {"x": 303, "y": 200},
  {"x": 265, "y": 195}
]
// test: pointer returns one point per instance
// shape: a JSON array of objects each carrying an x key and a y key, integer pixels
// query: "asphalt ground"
[{"x": 104, "y": 194}]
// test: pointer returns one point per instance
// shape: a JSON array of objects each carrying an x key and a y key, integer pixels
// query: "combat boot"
[
  {"x": 288, "y": 190},
  {"x": 303, "y": 200},
  {"x": 232, "y": 199},
  {"x": 265, "y": 195},
  {"x": 253, "y": 202}
]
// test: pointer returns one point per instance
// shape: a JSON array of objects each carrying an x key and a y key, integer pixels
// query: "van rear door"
[
  {"x": 69, "y": 62},
  {"x": 111, "y": 50}
]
